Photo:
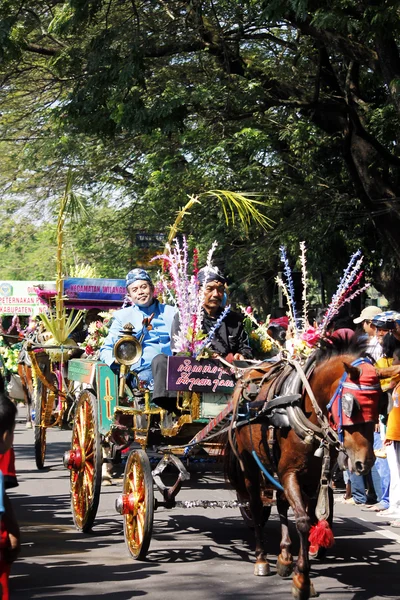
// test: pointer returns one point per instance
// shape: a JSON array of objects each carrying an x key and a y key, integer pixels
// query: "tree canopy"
[{"x": 149, "y": 101}]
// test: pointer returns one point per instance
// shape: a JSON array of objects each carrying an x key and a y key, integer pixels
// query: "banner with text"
[
  {"x": 95, "y": 289},
  {"x": 20, "y": 298},
  {"x": 187, "y": 374}
]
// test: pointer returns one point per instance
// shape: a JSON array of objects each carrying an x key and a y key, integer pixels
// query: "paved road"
[{"x": 196, "y": 554}]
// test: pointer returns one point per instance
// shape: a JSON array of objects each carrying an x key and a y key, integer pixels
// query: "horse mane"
[{"x": 355, "y": 345}]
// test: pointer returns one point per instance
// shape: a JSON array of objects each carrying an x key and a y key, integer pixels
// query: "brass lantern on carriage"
[{"x": 127, "y": 351}]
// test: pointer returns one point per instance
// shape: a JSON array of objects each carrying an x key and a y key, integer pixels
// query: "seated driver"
[
  {"x": 156, "y": 341},
  {"x": 230, "y": 340}
]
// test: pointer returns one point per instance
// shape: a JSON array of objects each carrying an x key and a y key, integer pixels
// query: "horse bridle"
[{"x": 327, "y": 434}]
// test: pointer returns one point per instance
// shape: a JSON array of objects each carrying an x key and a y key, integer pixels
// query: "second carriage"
[{"x": 54, "y": 393}]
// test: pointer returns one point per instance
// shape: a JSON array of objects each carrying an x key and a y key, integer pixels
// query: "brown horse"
[{"x": 294, "y": 437}]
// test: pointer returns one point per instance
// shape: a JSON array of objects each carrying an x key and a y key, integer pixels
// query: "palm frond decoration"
[
  {"x": 246, "y": 208},
  {"x": 59, "y": 324},
  {"x": 234, "y": 205}
]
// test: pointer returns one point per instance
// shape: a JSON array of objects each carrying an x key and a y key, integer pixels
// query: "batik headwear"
[
  {"x": 211, "y": 274},
  {"x": 137, "y": 275}
]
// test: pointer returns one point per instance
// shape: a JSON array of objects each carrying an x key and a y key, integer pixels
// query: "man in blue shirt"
[{"x": 156, "y": 341}]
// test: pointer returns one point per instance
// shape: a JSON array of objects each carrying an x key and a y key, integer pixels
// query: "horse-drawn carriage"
[{"x": 279, "y": 419}]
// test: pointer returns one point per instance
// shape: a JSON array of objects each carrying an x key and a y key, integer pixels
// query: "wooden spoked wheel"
[
  {"x": 86, "y": 469},
  {"x": 41, "y": 399},
  {"x": 139, "y": 510}
]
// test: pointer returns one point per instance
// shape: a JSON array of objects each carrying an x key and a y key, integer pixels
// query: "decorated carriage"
[{"x": 55, "y": 394}]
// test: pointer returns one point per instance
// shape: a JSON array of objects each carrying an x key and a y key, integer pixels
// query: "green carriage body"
[
  {"x": 97, "y": 375},
  {"x": 111, "y": 419}
]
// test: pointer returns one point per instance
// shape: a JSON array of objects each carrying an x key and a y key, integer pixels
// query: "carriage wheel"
[
  {"x": 139, "y": 512},
  {"x": 40, "y": 427},
  {"x": 86, "y": 463},
  {"x": 248, "y": 517}
]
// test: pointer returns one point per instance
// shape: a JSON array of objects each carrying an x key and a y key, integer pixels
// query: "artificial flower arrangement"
[
  {"x": 183, "y": 290},
  {"x": 304, "y": 337},
  {"x": 261, "y": 343},
  {"x": 97, "y": 333},
  {"x": 9, "y": 355}
]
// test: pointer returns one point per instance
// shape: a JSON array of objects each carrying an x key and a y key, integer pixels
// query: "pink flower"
[
  {"x": 249, "y": 310},
  {"x": 311, "y": 336}
]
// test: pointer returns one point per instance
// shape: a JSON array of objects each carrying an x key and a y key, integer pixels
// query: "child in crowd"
[{"x": 9, "y": 532}]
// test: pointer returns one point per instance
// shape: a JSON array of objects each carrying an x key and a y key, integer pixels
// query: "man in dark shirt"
[{"x": 230, "y": 340}]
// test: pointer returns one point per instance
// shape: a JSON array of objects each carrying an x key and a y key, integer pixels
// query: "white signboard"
[{"x": 20, "y": 298}]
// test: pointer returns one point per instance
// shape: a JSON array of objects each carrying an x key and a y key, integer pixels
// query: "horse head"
[{"x": 350, "y": 396}]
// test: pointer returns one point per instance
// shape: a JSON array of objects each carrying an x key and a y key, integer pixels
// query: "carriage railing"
[{"x": 61, "y": 396}]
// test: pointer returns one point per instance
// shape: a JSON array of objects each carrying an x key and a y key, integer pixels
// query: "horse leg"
[
  {"x": 316, "y": 551},
  {"x": 302, "y": 588},
  {"x": 284, "y": 564},
  {"x": 261, "y": 567}
]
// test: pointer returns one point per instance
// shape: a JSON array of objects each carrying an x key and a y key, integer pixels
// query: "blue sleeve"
[{"x": 107, "y": 349}]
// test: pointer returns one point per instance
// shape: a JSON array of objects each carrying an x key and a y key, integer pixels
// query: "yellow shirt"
[
  {"x": 382, "y": 363},
  {"x": 393, "y": 424}
]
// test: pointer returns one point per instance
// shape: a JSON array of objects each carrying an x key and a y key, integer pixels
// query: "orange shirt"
[{"x": 393, "y": 424}]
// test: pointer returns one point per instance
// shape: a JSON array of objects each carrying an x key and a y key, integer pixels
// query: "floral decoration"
[
  {"x": 9, "y": 355},
  {"x": 304, "y": 337},
  {"x": 261, "y": 343},
  {"x": 97, "y": 333},
  {"x": 188, "y": 295}
]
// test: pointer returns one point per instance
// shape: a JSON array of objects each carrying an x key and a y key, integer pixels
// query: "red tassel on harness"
[{"x": 321, "y": 535}]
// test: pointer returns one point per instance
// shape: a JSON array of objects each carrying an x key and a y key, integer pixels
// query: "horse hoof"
[
  {"x": 316, "y": 552},
  {"x": 28, "y": 425},
  {"x": 284, "y": 568},
  {"x": 300, "y": 594},
  {"x": 305, "y": 593},
  {"x": 261, "y": 569}
]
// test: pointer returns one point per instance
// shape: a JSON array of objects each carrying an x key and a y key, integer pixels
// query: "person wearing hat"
[
  {"x": 230, "y": 340},
  {"x": 374, "y": 348},
  {"x": 140, "y": 290},
  {"x": 388, "y": 331}
]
